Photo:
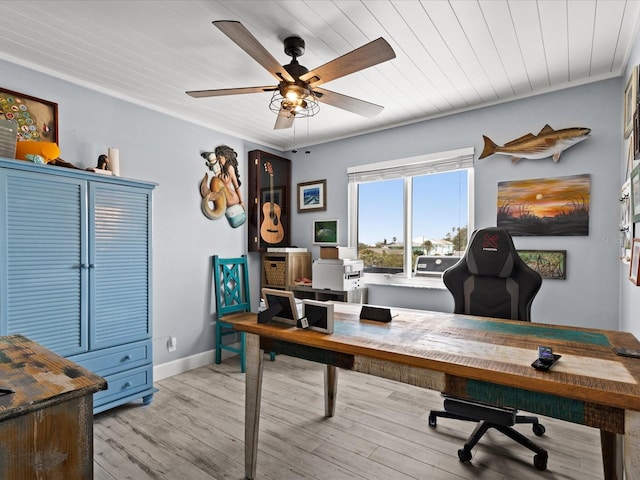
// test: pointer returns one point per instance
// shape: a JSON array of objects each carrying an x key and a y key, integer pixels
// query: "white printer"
[{"x": 337, "y": 274}]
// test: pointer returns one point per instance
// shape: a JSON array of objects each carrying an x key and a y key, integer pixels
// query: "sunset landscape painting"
[{"x": 545, "y": 206}]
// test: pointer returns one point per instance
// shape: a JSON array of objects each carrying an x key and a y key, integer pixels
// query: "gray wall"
[
  {"x": 165, "y": 150},
  {"x": 589, "y": 296}
]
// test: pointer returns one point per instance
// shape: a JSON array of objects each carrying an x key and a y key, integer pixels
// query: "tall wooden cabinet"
[{"x": 75, "y": 271}]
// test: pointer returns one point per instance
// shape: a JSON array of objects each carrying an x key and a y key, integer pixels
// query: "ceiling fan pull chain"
[{"x": 295, "y": 150}]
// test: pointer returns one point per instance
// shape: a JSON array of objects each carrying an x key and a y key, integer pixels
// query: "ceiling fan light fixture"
[
  {"x": 295, "y": 100},
  {"x": 294, "y": 92}
]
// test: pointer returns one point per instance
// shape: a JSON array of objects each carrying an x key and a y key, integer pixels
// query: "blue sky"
[{"x": 440, "y": 203}]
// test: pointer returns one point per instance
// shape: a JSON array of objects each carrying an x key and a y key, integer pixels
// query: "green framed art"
[
  {"x": 635, "y": 194},
  {"x": 548, "y": 263}
]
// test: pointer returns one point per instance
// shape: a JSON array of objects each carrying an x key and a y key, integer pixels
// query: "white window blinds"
[{"x": 408, "y": 167}]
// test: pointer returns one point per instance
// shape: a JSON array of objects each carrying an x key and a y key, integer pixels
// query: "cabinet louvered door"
[
  {"x": 45, "y": 270},
  {"x": 119, "y": 301}
]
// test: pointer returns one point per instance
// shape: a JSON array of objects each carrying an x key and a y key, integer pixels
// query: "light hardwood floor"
[{"x": 194, "y": 430}]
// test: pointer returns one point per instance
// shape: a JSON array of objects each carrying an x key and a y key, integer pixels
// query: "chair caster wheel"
[
  {"x": 465, "y": 455},
  {"x": 538, "y": 429},
  {"x": 539, "y": 461},
  {"x": 432, "y": 421}
]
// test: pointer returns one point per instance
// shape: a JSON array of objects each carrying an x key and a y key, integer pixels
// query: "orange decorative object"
[{"x": 47, "y": 150}]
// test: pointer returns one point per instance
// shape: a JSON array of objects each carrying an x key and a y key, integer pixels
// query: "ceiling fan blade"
[
  {"x": 247, "y": 42},
  {"x": 284, "y": 120},
  {"x": 366, "y": 56},
  {"x": 228, "y": 91},
  {"x": 345, "y": 102}
]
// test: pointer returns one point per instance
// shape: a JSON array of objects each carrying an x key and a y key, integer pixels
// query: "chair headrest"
[{"x": 491, "y": 253}]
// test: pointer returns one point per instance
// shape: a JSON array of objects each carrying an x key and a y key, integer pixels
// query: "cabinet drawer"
[
  {"x": 125, "y": 385},
  {"x": 116, "y": 359}
]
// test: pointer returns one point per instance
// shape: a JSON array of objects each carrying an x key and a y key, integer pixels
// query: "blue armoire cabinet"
[{"x": 75, "y": 271}]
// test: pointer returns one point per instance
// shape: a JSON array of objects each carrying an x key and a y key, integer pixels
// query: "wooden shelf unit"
[
  {"x": 359, "y": 295},
  {"x": 281, "y": 269}
]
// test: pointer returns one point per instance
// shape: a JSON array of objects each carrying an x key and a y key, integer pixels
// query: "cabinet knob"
[
  {"x": 126, "y": 358},
  {"x": 92, "y": 265},
  {"x": 84, "y": 265},
  {"x": 126, "y": 385}
]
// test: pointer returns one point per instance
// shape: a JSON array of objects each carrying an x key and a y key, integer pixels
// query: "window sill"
[{"x": 391, "y": 280}]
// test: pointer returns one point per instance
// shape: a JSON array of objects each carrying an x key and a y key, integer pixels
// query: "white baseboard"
[{"x": 185, "y": 364}]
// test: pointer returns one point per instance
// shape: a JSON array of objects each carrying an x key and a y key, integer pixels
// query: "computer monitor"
[{"x": 289, "y": 312}]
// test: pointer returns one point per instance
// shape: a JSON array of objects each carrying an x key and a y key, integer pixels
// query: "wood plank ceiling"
[{"x": 452, "y": 55}]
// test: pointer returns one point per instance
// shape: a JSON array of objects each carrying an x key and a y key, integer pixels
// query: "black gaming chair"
[{"x": 492, "y": 280}]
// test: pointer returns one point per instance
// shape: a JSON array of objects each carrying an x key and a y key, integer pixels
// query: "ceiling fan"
[{"x": 297, "y": 93}]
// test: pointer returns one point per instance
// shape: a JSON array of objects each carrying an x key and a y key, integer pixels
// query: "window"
[{"x": 411, "y": 208}]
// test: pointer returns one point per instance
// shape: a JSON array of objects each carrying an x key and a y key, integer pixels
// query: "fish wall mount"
[{"x": 548, "y": 143}]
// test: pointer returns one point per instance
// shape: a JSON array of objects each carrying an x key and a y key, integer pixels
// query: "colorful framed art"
[
  {"x": 37, "y": 119},
  {"x": 556, "y": 206}
]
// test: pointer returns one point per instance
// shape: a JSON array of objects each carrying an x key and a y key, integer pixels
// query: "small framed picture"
[
  {"x": 630, "y": 100},
  {"x": 548, "y": 263},
  {"x": 312, "y": 196},
  {"x": 325, "y": 232},
  {"x": 635, "y": 261},
  {"x": 635, "y": 194},
  {"x": 37, "y": 119}
]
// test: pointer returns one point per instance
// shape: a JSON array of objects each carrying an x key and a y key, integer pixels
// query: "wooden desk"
[
  {"x": 46, "y": 424},
  {"x": 473, "y": 357}
]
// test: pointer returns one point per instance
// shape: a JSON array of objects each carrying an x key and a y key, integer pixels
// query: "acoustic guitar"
[{"x": 271, "y": 229}]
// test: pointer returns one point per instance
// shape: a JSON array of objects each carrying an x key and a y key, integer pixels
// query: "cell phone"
[
  {"x": 546, "y": 358},
  {"x": 545, "y": 354},
  {"x": 627, "y": 352}
]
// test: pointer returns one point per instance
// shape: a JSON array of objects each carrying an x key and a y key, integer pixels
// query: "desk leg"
[
  {"x": 611, "y": 444},
  {"x": 632, "y": 444},
  {"x": 330, "y": 390},
  {"x": 253, "y": 393}
]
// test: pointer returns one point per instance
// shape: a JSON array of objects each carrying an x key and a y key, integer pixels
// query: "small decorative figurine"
[{"x": 103, "y": 162}]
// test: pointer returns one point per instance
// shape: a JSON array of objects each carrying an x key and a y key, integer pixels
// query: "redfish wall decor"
[{"x": 548, "y": 143}]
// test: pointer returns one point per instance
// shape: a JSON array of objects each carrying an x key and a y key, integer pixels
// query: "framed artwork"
[
  {"x": 268, "y": 201},
  {"x": 312, "y": 196},
  {"x": 630, "y": 159},
  {"x": 557, "y": 206},
  {"x": 37, "y": 119},
  {"x": 325, "y": 232},
  {"x": 635, "y": 194},
  {"x": 635, "y": 261},
  {"x": 548, "y": 263},
  {"x": 636, "y": 135},
  {"x": 630, "y": 100}
]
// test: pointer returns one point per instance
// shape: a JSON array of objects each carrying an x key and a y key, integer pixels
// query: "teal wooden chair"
[{"x": 231, "y": 290}]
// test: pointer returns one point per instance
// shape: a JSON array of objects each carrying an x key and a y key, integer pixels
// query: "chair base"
[
  {"x": 505, "y": 418},
  {"x": 222, "y": 330}
]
